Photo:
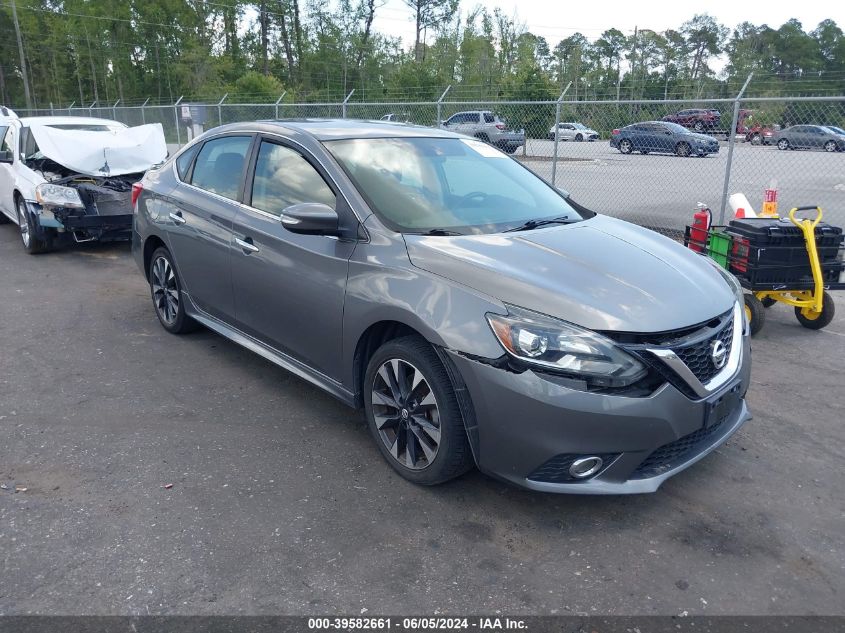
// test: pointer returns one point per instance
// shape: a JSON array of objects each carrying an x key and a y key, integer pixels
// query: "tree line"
[{"x": 59, "y": 51}]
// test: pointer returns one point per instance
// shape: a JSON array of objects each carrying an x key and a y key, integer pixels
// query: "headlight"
[
  {"x": 540, "y": 340},
  {"x": 57, "y": 196}
]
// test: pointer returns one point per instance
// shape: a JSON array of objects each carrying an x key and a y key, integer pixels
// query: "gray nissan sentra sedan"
[{"x": 477, "y": 314}]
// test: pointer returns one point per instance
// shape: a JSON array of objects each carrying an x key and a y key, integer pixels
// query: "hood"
[
  {"x": 112, "y": 153},
  {"x": 700, "y": 137},
  {"x": 602, "y": 274}
]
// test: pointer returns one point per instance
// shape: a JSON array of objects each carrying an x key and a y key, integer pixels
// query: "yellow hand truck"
[{"x": 766, "y": 256}]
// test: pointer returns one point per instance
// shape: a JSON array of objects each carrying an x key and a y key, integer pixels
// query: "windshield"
[
  {"x": 674, "y": 127},
  {"x": 417, "y": 185},
  {"x": 87, "y": 127},
  {"x": 836, "y": 130},
  {"x": 579, "y": 126}
]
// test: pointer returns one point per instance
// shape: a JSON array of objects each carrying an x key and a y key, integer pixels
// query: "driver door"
[{"x": 7, "y": 172}]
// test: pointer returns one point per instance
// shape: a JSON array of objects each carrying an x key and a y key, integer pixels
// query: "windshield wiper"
[
  {"x": 533, "y": 224},
  {"x": 436, "y": 232}
]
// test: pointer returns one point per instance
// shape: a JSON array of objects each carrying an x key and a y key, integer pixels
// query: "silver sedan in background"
[{"x": 573, "y": 132}]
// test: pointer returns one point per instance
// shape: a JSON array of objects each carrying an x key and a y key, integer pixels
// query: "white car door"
[{"x": 7, "y": 172}]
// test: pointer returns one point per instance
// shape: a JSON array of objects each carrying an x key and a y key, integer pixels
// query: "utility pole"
[{"x": 23, "y": 58}]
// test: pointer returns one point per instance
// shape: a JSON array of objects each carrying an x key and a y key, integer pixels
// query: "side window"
[
  {"x": 183, "y": 163},
  {"x": 489, "y": 118},
  {"x": 283, "y": 177},
  {"x": 8, "y": 144},
  {"x": 219, "y": 165}
]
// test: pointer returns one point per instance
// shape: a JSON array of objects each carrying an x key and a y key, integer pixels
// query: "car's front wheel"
[
  {"x": 683, "y": 149},
  {"x": 699, "y": 126},
  {"x": 29, "y": 235},
  {"x": 166, "y": 293},
  {"x": 413, "y": 413}
]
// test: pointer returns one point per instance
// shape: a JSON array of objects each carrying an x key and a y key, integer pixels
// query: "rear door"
[
  {"x": 8, "y": 142},
  {"x": 289, "y": 288},
  {"x": 200, "y": 228}
]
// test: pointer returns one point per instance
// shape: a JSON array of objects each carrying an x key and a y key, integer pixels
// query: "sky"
[{"x": 556, "y": 20}]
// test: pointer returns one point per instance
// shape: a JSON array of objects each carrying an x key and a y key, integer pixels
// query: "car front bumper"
[{"x": 528, "y": 422}]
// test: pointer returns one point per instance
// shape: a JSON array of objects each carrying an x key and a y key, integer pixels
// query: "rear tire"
[
  {"x": 817, "y": 320},
  {"x": 699, "y": 126},
  {"x": 32, "y": 244},
  {"x": 413, "y": 413},
  {"x": 756, "y": 139},
  {"x": 783, "y": 144},
  {"x": 626, "y": 146},
  {"x": 166, "y": 293},
  {"x": 830, "y": 146},
  {"x": 755, "y": 313}
]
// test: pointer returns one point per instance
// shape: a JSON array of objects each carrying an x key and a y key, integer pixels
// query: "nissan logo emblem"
[{"x": 718, "y": 354}]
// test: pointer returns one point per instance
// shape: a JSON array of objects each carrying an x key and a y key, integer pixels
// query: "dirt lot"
[{"x": 281, "y": 504}]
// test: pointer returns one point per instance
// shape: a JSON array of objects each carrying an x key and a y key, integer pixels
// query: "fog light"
[{"x": 585, "y": 467}]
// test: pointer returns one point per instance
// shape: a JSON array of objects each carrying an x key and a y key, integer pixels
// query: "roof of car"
[
  {"x": 31, "y": 121},
  {"x": 335, "y": 129}
]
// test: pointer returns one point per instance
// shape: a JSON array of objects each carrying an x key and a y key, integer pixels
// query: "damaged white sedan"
[{"x": 69, "y": 179}]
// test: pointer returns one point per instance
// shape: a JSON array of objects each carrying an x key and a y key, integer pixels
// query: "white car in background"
[
  {"x": 573, "y": 132},
  {"x": 69, "y": 179}
]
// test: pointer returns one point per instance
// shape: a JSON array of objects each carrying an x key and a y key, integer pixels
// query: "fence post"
[
  {"x": 439, "y": 101},
  {"x": 557, "y": 140},
  {"x": 52, "y": 113},
  {"x": 343, "y": 105},
  {"x": 70, "y": 106},
  {"x": 731, "y": 143},
  {"x": 176, "y": 118},
  {"x": 144, "y": 111},
  {"x": 114, "y": 110},
  {"x": 90, "y": 108},
  {"x": 278, "y": 101},
  {"x": 220, "y": 108}
]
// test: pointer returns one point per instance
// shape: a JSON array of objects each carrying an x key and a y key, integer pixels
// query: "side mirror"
[
  {"x": 6, "y": 157},
  {"x": 310, "y": 218}
]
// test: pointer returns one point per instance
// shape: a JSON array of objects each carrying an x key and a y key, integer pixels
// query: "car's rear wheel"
[
  {"x": 166, "y": 293},
  {"x": 413, "y": 413},
  {"x": 682, "y": 149},
  {"x": 783, "y": 144},
  {"x": 699, "y": 126},
  {"x": 626, "y": 146},
  {"x": 830, "y": 146},
  {"x": 32, "y": 244},
  {"x": 756, "y": 139}
]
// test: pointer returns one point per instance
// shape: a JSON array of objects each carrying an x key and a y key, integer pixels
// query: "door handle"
[
  {"x": 177, "y": 218},
  {"x": 246, "y": 245}
]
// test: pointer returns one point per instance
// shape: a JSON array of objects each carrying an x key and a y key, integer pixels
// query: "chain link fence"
[{"x": 655, "y": 179}]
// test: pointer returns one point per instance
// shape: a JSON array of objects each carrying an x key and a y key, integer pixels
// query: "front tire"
[
  {"x": 166, "y": 293},
  {"x": 579, "y": 137},
  {"x": 817, "y": 320},
  {"x": 683, "y": 149},
  {"x": 755, "y": 313},
  {"x": 32, "y": 244},
  {"x": 626, "y": 146},
  {"x": 413, "y": 413},
  {"x": 699, "y": 126}
]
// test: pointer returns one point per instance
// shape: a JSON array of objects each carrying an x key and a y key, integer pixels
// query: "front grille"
[
  {"x": 556, "y": 470},
  {"x": 697, "y": 355},
  {"x": 674, "y": 453}
]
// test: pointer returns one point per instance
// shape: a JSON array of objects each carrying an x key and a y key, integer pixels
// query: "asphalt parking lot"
[
  {"x": 280, "y": 502},
  {"x": 661, "y": 190}
]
